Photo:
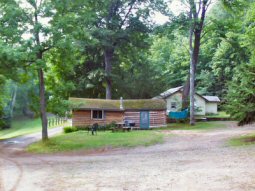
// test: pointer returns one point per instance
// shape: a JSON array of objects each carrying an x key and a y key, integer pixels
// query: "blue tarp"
[{"x": 179, "y": 115}]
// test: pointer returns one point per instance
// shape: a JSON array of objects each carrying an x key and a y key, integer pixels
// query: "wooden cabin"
[{"x": 145, "y": 113}]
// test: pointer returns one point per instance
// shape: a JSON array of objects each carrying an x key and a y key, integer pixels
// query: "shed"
[
  {"x": 203, "y": 104},
  {"x": 145, "y": 113}
]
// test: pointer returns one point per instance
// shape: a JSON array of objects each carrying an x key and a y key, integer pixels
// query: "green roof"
[{"x": 132, "y": 104}]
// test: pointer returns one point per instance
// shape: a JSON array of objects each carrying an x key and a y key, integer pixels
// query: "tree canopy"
[{"x": 51, "y": 50}]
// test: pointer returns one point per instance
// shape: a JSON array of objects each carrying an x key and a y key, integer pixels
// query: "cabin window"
[
  {"x": 173, "y": 105},
  {"x": 97, "y": 114}
]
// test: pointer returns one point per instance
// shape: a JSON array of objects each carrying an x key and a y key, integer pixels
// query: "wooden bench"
[{"x": 123, "y": 129}]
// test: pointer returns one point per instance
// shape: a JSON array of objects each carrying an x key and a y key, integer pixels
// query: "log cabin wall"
[
  {"x": 83, "y": 118},
  {"x": 157, "y": 117},
  {"x": 133, "y": 115}
]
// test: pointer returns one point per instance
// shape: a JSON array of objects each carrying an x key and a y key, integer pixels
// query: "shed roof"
[
  {"x": 168, "y": 92},
  {"x": 172, "y": 91},
  {"x": 132, "y": 104},
  {"x": 212, "y": 98}
]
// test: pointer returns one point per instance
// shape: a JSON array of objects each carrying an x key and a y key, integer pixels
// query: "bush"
[
  {"x": 83, "y": 128},
  {"x": 110, "y": 125},
  {"x": 5, "y": 122},
  {"x": 241, "y": 95},
  {"x": 100, "y": 127},
  {"x": 70, "y": 129}
]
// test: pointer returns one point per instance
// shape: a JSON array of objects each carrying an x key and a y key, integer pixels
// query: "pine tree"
[{"x": 241, "y": 94}]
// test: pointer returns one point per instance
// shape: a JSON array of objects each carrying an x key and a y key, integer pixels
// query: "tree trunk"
[
  {"x": 43, "y": 105},
  {"x": 108, "y": 56},
  {"x": 13, "y": 101},
  {"x": 185, "y": 93},
  {"x": 192, "y": 92},
  {"x": 192, "y": 74},
  {"x": 196, "y": 29},
  {"x": 39, "y": 56}
]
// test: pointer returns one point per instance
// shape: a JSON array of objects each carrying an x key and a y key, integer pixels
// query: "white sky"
[{"x": 176, "y": 6}]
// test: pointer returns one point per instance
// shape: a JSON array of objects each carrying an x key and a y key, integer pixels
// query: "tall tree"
[
  {"x": 38, "y": 14},
  {"x": 113, "y": 23},
  {"x": 37, "y": 37},
  {"x": 197, "y": 15},
  {"x": 241, "y": 91}
]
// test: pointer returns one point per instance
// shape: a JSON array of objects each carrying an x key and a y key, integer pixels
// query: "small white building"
[{"x": 203, "y": 104}]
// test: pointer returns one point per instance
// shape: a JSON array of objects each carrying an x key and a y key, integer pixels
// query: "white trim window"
[
  {"x": 173, "y": 105},
  {"x": 97, "y": 114}
]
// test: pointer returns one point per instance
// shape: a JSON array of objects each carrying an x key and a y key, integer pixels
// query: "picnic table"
[{"x": 121, "y": 126}]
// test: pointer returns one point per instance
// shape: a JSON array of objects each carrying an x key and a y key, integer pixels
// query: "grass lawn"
[
  {"x": 197, "y": 126},
  {"x": 221, "y": 114},
  {"x": 243, "y": 140},
  {"x": 21, "y": 126},
  {"x": 80, "y": 140}
]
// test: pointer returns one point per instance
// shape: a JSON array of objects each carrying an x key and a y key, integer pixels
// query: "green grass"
[
  {"x": 221, "y": 114},
  {"x": 197, "y": 126},
  {"x": 245, "y": 140},
  {"x": 80, "y": 140},
  {"x": 21, "y": 126}
]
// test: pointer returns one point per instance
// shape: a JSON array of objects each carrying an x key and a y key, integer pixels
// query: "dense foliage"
[
  {"x": 88, "y": 47},
  {"x": 241, "y": 92}
]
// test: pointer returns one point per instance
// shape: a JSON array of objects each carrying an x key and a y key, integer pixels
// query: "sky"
[{"x": 176, "y": 6}]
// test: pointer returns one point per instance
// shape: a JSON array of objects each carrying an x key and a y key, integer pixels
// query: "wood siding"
[
  {"x": 133, "y": 115},
  {"x": 157, "y": 118},
  {"x": 83, "y": 118}
]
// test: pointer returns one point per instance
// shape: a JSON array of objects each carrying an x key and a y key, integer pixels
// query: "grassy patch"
[
  {"x": 21, "y": 126},
  {"x": 197, "y": 126},
  {"x": 243, "y": 140},
  {"x": 82, "y": 141},
  {"x": 221, "y": 114}
]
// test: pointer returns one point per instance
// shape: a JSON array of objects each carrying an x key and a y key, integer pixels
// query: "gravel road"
[{"x": 187, "y": 161}]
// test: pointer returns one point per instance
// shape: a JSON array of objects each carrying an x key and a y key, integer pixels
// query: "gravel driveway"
[{"x": 189, "y": 160}]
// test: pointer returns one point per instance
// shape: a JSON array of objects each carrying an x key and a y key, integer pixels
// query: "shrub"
[
  {"x": 241, "y": 94},
  {"x": 110, "y": 125},
  {"x": 70, "y": 129},
  {"x": 83, "y": 128}
]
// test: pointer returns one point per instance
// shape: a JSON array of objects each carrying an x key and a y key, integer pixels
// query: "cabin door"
[{"x": 144, "y": 119}]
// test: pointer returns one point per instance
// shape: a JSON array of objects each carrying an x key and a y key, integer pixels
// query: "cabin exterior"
[
  {"x": 203, "y": 104},
  {"x": 145, "y": 113}
]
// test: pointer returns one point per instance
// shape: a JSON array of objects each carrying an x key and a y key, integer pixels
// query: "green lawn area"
[
  {"x": 221, "y": 114},
  {"x": 197, "y": 126},
  {"x": 21, "y": 126},
  {"x": 243, "y": 140},
  {"x": 80, "y": 140}
]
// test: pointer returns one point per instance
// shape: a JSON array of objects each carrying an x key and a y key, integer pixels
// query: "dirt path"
[
  {"x": 189, "y": 160},
  {"x": 22, "y": 141}
]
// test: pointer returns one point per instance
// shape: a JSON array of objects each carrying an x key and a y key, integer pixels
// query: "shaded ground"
[
  {"x": 24, "y": 140},
  {"x": 189, "y": 160}
]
